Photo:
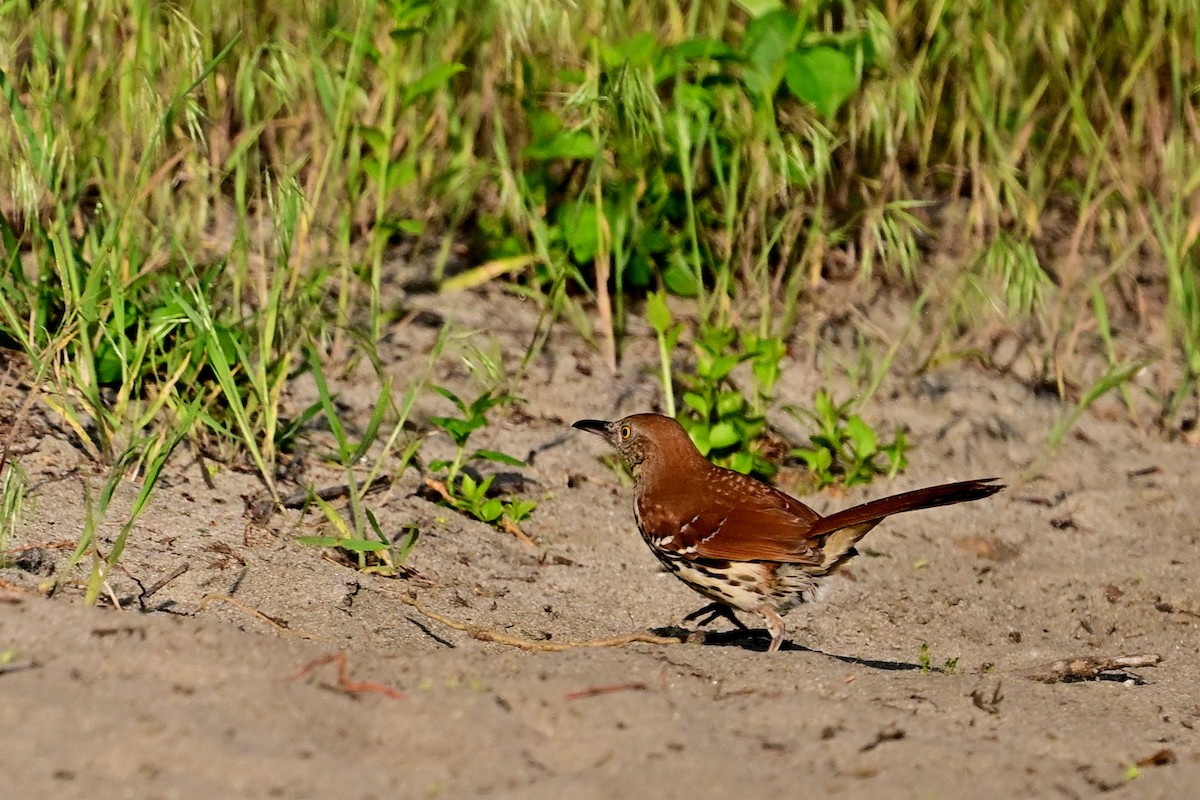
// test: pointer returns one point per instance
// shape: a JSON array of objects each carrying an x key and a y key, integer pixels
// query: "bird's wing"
[
  {"x": 752, "y": 523},
  {"x": 754, "y": 534}
]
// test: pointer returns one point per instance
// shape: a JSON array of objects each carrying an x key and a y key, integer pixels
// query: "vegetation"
[
  {"x": 12, "y": 501},
  {"x": 845, "y": 448},
  {"x": 197, "y": 203}
]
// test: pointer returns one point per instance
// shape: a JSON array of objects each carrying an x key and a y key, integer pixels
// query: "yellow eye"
[{"x": 626, "y": 432}]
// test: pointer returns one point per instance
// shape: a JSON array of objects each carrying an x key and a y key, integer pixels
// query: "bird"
[{"x": 738, "y": 541}]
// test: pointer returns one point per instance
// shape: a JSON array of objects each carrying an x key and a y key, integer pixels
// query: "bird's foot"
[{"x": 711, "y": 612}]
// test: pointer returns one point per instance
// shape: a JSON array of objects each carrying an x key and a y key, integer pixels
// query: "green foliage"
[
  {"x": 667, "y": 332},
  {"x": 471, "y": 498},
  {"x": 151, "y": 452},
  {"x": 670, "y": 161},
  {"x": 12, "y": 501},
  {"x": 845, "y": 449},
  {"x": 462, "y": 491},
  {"x": 359, "y": 533},
  {"x": 726, "y": 423},
  {"x": 925, "y": 662}
]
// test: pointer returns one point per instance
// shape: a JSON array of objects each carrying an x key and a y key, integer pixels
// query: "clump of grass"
[
  {"x": 844, "y": 448},
  {"x": 152, "y": 454},
  {"x": 12, "y": 502},
  {"x": 359, "y": 533},
  {"x": 459, "y": 489}
]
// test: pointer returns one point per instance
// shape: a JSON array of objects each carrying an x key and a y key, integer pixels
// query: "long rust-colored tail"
[{"x": 845, "y": 528}]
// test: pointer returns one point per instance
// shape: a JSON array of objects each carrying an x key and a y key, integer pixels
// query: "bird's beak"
[{"x": 596, "y": 426}]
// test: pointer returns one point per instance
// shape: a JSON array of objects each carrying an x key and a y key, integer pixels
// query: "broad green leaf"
[
  {"x": 580, "y": 230},
  {"x": 719, "y": 367},
  {"x": 108, "y": 363},
  {"x": 865, "y": 443},
  {"x": 497, "y": 456},
  {"x": 405, "y": 226},
  {"x": 484, "y": 402},
  {"x": 768, "y": 42},
  {"x": 657, "y": 312},
  {"x": 756, "y": 8},
  {"x": 431, "y": 80},
  {"x": 722, "y": 435},
  {"x": 697, "y": 403},
  {"x": 822, "y": 77},
  {"x": 399, "y": 174},
  {"x": 571, "y": 145},
  {"x": 823, "y": 406},
  {"x": 681, "y": 280},
  {"x": 491, "y": 510},
  {"x": 636, "y": 51},
  {"x": 519, "y": 510},
  {"x": 694, "y": 49},
  {"x": 742, "y": 461},
  {"x": 730, "y": 403},
  {"x": 374, "y": 139}
]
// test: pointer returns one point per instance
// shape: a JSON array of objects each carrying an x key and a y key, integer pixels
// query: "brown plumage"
[{"x": 736, "y": 540}]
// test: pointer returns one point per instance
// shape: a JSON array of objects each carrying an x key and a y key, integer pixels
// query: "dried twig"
[
  {"x": 164, "y": 580},
  {"x": 254, "y": 612},
  {"x": 989, "y": 704},
  {"x": 515, "y": 530},
  {"x": 595, "y": 691},
  {"x": 1084, "y": 667},
  {"x": 440, "y": 489},
  {"x": 344, "y": 684},
  {"x": 499, "y": 637},
  {"x": 61, "y": 544}
]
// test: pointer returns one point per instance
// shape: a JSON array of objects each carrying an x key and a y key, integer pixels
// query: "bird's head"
[{"x": 645, "y": 441}]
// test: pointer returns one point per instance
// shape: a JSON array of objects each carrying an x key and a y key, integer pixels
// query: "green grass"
[
  {"x": 12, "y": 503},
  {"x": 358, "y": 532},
  {"x": 193, "y": 200}
]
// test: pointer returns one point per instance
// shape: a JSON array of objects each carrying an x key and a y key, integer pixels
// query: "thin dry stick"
[
  {"x": 596, "y": 691},
  {"x": 1083, "y": 667},
  {"x": 62, "y": 544},
  {"x": 254, "y": 612},
  {"x": 164, "y": 580},
  {"x": 344, "y": 684},
  {"x": 499, "y": 637}
]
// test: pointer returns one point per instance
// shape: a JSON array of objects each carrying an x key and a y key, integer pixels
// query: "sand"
[{"x": 223, "y": 680}]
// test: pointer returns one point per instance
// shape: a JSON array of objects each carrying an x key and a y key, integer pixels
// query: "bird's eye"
[{"x": 626, "y": 432}]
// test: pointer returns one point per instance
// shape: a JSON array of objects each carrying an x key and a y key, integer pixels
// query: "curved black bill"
[{"x": 597, "y": 426}]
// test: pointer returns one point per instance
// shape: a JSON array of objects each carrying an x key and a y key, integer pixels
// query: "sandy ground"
[{"x": 176, "y": 697}]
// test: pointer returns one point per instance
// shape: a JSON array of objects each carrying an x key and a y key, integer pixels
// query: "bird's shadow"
[{"x": 759, "y": 641}]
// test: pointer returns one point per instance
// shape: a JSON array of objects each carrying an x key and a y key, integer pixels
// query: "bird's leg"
[
  {"x": 775, "y": 626},
  {"x": 714, "y": 610}
]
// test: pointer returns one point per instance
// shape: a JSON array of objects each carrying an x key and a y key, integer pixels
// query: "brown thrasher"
[{"x": 736, "y": 540}]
